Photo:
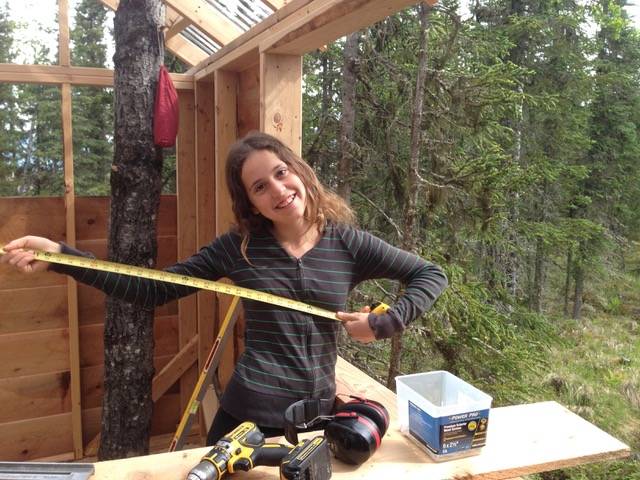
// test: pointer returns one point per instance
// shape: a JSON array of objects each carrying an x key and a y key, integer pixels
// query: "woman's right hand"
[{"x": 18, "y": 253}]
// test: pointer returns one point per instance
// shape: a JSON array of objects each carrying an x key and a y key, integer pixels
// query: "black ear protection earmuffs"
[{"x": 354, "y": 432}]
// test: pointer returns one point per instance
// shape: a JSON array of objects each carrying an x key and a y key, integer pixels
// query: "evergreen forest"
[{"x": 498, "y": 139}]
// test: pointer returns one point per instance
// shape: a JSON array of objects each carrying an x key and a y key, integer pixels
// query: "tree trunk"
[
  {"x": 413, "y": 175},
  {"x": 135, "y": 197},
  {"x": 567, "y": 282},
  {"x": 347, "y": 119},
  {"x": 535, "y": 298},
  {"x": 579, "y": 290}
]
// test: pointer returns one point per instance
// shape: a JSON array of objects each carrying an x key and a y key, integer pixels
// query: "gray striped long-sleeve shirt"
[{"x": 289, "y": 355}]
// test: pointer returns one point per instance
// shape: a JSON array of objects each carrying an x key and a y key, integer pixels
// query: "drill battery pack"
[{"x": 309, "y": 460}]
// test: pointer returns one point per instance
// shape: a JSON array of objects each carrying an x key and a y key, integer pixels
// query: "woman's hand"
[
  {"x": 17, "y": 253},
  {"x": 357, "y": 325}
]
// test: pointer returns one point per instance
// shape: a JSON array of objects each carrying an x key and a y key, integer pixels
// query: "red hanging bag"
[{"x": 166, "y": 114}]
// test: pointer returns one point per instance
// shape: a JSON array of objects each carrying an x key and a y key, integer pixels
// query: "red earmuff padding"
[{"x": 372, "y": 410}]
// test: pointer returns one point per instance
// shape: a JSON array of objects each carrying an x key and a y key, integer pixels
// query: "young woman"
[{"x": 292, "y": 238}]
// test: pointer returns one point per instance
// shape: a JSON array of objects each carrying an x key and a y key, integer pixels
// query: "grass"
[{"x": 596, "y": 374}]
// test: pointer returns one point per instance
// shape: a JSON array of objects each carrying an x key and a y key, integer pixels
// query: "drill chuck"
[{"x": 203, "y": 471}]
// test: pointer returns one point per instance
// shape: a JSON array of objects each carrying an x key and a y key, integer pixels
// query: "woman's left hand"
[{"x": 357, "y": 325}]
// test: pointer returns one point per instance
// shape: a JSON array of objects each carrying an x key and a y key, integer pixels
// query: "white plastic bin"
[{"x": 444, "y": 414}]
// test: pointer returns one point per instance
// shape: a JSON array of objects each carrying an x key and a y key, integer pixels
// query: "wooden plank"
[
  {"x": 36, "y": 438},
  {"x": 165, "y": 332},
  {"x": 72, "y": 287},
  {"x": 206, "y": 206},
  {"x": 43, "y": 216},
  {"x": 522, "y": 439},
  {"x": 281, "y": 98},
  {"x": 32, "y": 309},
  {"x": 64, "y": 58},
  {"x": 172, "y": 372},
  {"x": 32, "y": 353},
  {"x": 275, "y": 4},
  {"x": 185, "y": 50},
  {"x": 59, "y": 74},
  {"x": 249, "y": 100},
  {"x": 34, "y": 396},
  {"x": 557, "y": 439},
  {"x": 226, "y": 94},
  {"x": 187, "y": 232},
  {"x": 177, "y": 25},
  {"x": 207, "y": 19},
  {"x": 327, "y": 21},
  {"x": 92, "y": 216}
]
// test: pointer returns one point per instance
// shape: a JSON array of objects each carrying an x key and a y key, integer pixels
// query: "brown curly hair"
[{"x": 322, "y": 205}]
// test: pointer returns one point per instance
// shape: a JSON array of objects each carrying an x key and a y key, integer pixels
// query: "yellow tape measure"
[{"x": 74, "y": 261}]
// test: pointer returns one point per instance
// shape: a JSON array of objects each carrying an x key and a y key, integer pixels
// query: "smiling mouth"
[{"x": 287, "y": 202}]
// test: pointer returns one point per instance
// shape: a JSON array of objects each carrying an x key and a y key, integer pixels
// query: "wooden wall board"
[
  {"x": 36, "y": 438},
  {"x": 31, "y": 309},
  {"x": 44, "y": 216},
  {"x": 32, "y": 353},
  {"x": 34, "y": 396},
  {"x": 92, "y": 216}
]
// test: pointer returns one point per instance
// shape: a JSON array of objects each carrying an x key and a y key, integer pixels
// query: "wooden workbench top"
[{"x": 521, "y": 439}]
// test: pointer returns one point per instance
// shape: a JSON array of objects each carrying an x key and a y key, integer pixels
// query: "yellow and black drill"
[
  {"x": 242, "y": 449},
  {"x": 245, "y": 448}
]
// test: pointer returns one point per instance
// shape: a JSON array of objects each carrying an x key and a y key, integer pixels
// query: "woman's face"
[{"x": 274, "y": 190}]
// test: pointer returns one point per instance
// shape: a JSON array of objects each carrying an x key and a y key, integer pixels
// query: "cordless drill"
[{"x": 242, "y": 449}]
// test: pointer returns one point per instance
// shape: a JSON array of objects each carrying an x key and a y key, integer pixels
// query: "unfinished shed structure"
[{"x": 242, "y": 78}]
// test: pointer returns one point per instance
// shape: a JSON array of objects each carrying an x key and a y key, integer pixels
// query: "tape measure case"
[{"x": 445, "y": 415}]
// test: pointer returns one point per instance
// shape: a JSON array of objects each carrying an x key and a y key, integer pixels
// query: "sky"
[{"x": 42, "y": 13}]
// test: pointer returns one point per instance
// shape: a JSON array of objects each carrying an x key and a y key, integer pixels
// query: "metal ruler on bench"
[{"x": 45, "y": 471}]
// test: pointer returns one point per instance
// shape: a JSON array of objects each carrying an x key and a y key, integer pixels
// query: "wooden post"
[
  {"x": 226, "y": 85},
  {"x": 205, "y": 210},
  {"x": 281, "y": 98},
  {"x": 186, "y": 230},
  {"x": 70, "y": 212}
]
